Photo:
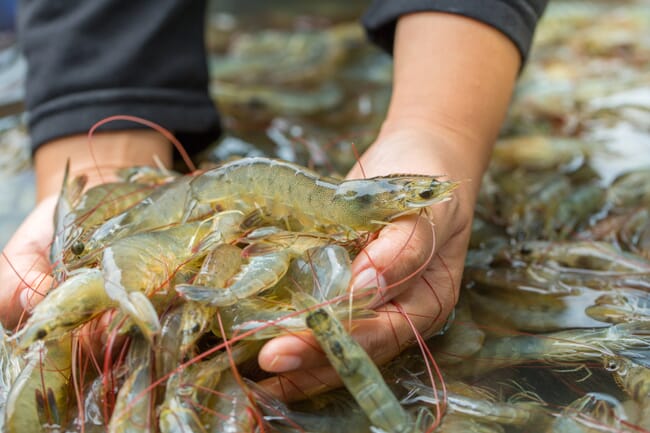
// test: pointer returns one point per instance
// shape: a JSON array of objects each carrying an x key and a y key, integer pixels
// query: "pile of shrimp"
[
  {"x": 188, "y": 276},
  {"x": 179, "y": 280}
]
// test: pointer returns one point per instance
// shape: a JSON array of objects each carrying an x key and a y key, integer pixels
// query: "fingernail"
[
  {"x": 24, "y": 299},
  {"x": 367, "y": 278},
  {"x": 284, "y": 363}
]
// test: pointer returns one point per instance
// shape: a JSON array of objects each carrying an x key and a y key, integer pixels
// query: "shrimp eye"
[
  {"x": 77, "y": 248},
  {"x": 611, "y": 365},
  {"x": 426, "y": 194}
]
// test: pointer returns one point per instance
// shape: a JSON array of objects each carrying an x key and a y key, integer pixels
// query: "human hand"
[
  {"x": 415, "y": 265},
  {"x": 25, "y": 269}
]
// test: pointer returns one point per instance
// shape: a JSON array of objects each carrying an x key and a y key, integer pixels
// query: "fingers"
[
  {"x": 400, "y": 253},
  {"x": 423, "y": 309}
]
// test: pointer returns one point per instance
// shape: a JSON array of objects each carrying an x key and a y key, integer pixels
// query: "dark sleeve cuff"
[
  {"x": 88, "y": 60},
  {"x": 514, "y": 18}
]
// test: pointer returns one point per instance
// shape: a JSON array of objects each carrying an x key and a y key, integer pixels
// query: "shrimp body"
[
  {"x": 283, "y": 189},
  {"x": 143, "y": 266},
  {"x": 77, "y": 300},
  {"x": 635, "y": 380},
  {"x": 134, "y": 405},
  {"x": 359, "y": 373},
  {"x": 39, "y": 395}
]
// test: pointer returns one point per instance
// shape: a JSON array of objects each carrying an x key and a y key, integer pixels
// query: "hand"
[
  {"x": 25, "y": 269},
  {"x": 417, "y": 286}
]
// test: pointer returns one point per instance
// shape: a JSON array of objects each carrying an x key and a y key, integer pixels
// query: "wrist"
[
  {"x": 433, "y": 149},
  {"x": 98, "y": 158}
]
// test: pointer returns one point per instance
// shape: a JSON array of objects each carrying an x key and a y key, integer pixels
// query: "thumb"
[
  {"x": 25, "y": 270},
  {"x": 400, "y": 253}
]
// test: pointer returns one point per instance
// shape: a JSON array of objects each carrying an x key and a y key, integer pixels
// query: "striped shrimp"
[{"x": 285, "y": 191}]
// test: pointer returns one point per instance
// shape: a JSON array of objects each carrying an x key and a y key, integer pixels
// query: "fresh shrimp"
[
  {"x": 559, "y": 348},
  {"x": 194, "y": 388},
  {"x": 621, "y": 305},
  {"x": 133, "y": 410},
  {"x": 144, "y": 266},
  {"x": 478, "y": 406},
  {"x": 359, "y": 373},
  {"x": 321, "y": 413},
  {"x": 159, "y": 210},
  {"x": 581, "y": 255},
  {"x": 634, "y": 379},
  {"x": 261, "y": 272},
  {"x": 76, "y": 301},
  {"x": 282, "y": 189},
  {"x": 39, "y": 395}
]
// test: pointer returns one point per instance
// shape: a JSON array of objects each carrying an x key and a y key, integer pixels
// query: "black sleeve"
[
  {"x": 90, "y": 59},
  {"x": 515, "y": 18}
]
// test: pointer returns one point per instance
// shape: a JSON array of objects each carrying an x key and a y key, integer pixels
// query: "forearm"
[
  {"x": 453, "y": 78},
  {"x": 98, "y": 158}
]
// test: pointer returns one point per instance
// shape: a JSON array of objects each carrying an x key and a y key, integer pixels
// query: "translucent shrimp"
[
  {"x": 359, "y": 373},
  {"x": 145, "y": 265},
  {"x": 478, "y": 406},
  {"x": 157, "y": 211},
  {"x": 134, "y": 411},
  {"x": 261, "y": 272},
  {"x": 192, "y": 394},
  {"x": 39, "y": 395},
  {"x": 283, "y": 189},
  {"x": 559, "y": 348},
  {"x": 634, "y": 379},
  {"x": 76, "y": 301}
]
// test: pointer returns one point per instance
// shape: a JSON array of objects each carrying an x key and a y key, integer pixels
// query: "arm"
[{"x": 453, "y": 81}]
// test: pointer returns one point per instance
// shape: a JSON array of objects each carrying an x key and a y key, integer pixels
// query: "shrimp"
[
  {"x": 619, "y": 306},
  {"x": 39, "y": 396},
  {"x": 282, "y": 189},
  {"x": 359, "y": 373},
  {"x": 559, "y": 348},
  {"x": 76, "y": 301},
  {"x": 321, "y": 413},
  {"x": 159, "y": 210},
  {"x": 145, "y": 265},
  {"x": 478, "y": 407},
  {"x": 193, "y": 388},
  {"x": 594, "y": 256},
  {"x": 10, "y": 366},
  {"x": 134, "y": 404},
  {"x": 591, "y": 413},
  {"x": 635, "y": 380},
  {"x": 260, "y": 273}
]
